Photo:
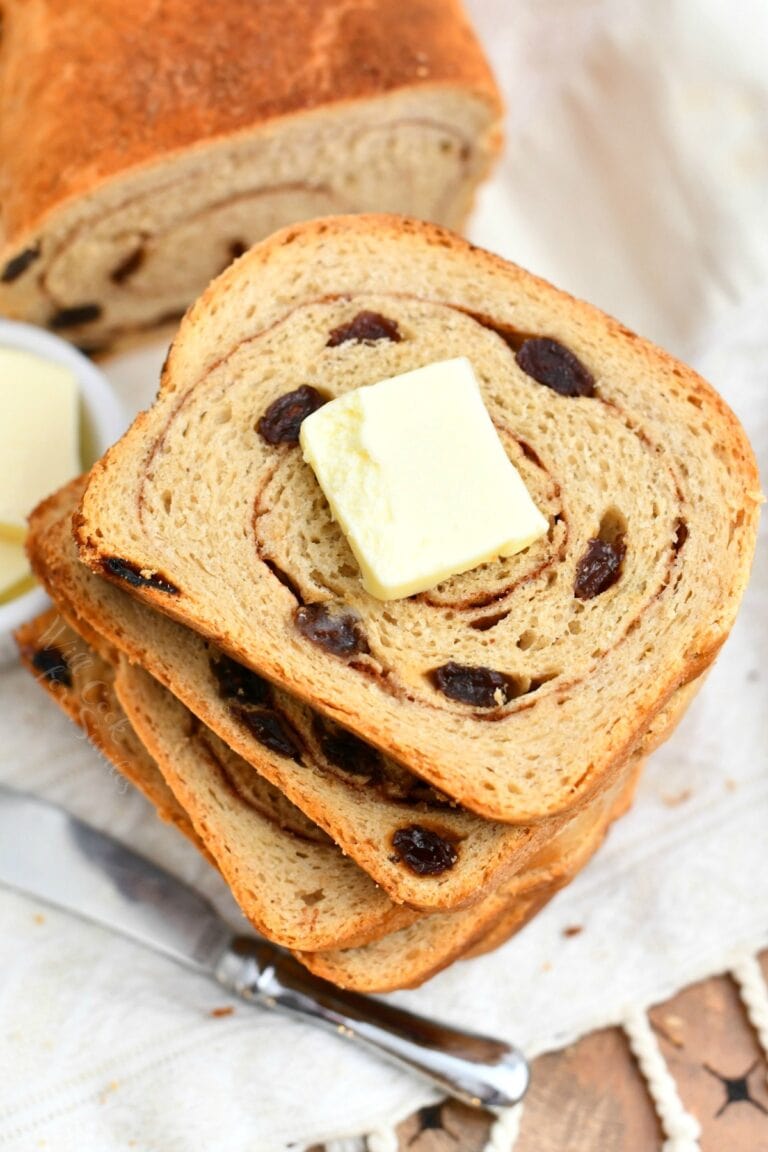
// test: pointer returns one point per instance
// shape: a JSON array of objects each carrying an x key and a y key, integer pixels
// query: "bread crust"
[{"x": 137, "y": 82}]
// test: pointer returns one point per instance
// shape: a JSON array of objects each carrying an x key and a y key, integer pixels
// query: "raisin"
[
  {"x": 340, "y": 633},
  {"x": 555, "y": 366},
  {"x": 236, "y": 682},
  {"x": 52, "y": 664},
  {"x": 73, "y": 317},
  {"x": 132, "y": 262},
  {"x": 282, "y": 420},
  {"x": 481, "y": 687},
  {"x": 133, "y": 575},
  {"x": 681, "y": 535},
  {"x": 18, "y": 265},
  {"x": 599, "y": 567},
  {"x": 350, "y": 753},
  {"x": 270, "y": 730},
  {"x": 425, "y": 853},
  {"x": 366, "y": 328}
]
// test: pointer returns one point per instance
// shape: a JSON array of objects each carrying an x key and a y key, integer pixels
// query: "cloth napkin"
[{"x": 636, "y": 175}]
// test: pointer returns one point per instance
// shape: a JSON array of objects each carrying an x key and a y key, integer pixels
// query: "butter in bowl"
[{"x": 58, "y": 414}]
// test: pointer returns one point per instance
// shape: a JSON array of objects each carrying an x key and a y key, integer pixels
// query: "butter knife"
[{"x": 50, "y": 855}]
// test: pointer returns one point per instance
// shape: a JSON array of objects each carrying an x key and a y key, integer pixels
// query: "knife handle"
[{"x": 482, "y": 1072}]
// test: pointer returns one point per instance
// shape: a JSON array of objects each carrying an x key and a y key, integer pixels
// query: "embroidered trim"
[
  {"x": 505, "y": 1131},
  {"x": 753, "y": 990},
  {"x": 680, "y": 1128},
  {"x": 382, "y": 1140}
]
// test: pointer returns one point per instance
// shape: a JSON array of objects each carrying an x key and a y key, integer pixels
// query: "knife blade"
[{"x": 53, "y": 856}]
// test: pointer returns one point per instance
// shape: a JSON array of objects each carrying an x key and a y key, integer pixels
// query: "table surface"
[{"x": 591, "y": 1096}]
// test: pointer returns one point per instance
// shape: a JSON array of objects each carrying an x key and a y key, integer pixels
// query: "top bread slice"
[
  {"x": 645, "y": 475},
  {"x": 172, "y": 142}
]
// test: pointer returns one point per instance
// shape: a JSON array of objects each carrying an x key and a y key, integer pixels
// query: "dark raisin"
[
  {"x": 270, "y": 730},
  {"x": 367, "y": 328},
  {"x": 425, "y": 853},
  {"x": 599, "y": 567},
  {"x": 132, "y": 262},
  {"x": 281, "y": 422},
  {"x": 133, "y": 575},
  {"x": 338, "y": 632},
  {"x": 481, "y": 687},
  {"x": 681, "y": 535},
  {"x": 73, "y": 317},
  {"x": 349, "y": 753},
  {"x": 52, "y": 664},
  {"x": 555, "y": 366},
  {"x": 236, "y": 682},
  {"x": 18, "y": 265}
]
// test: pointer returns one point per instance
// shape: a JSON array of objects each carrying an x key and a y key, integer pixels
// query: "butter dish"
[{"x": 101, "y": 421}]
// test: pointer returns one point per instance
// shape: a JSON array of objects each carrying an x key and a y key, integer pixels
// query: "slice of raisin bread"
[
  {"x": 407, "y": 958},
  {"x": 443, "y": 856},
  {"x": 82, "y": 684},
  {"x": 206, "y": 510},
  {"x": 282, "y": 859},
  {"x": 286, "y": 874},
  {"x": 170, "y": 142}
]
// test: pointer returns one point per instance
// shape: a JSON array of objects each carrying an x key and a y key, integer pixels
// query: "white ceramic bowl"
[{"x": 102, "y": 421}]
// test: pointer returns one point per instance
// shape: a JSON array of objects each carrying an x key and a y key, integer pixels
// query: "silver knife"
[{"x": 50, "y": 855}]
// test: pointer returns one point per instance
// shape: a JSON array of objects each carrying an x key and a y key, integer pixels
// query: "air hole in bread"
[
  {"x": 613, "y": 526},
  {"x": 312, "y": 898},
  {"x": 526, "y": 639}
]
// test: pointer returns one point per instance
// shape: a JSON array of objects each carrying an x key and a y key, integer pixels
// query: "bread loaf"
[
  {"x": 645, "y": 475},
  {"x": 171, "y": 141}
]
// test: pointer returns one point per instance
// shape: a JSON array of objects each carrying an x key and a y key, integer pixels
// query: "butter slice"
[
  {"x": 39, "y": 440},
  {"x": 418, "y": 480}
]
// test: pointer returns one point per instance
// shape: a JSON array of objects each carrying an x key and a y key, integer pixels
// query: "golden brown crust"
[{"x": 137, "y": 81}]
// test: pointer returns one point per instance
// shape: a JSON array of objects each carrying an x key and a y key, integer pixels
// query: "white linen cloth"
[{"x": 636, "y": 175}]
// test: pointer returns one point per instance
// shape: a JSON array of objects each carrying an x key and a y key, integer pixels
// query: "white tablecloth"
[{"x": 635, "y": 174}]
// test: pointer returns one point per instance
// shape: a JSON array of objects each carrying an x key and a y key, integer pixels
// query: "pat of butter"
[
  {"x": 39, "y": 439},
  {"x": 418, "y": 480}
]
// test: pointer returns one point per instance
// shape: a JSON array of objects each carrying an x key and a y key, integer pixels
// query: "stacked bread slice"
[{"x": 387, "y": 786}]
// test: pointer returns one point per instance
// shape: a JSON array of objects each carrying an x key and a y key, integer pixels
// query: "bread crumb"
[
  {"x": 217, "y": 1013},
  {"x": 672, "y": 799},
  {"x": 546, "y": 966},
  {"x": 39, "y": 918},
  {"x": 573, "y": 929},
  {"x": 731, "y": 785}
]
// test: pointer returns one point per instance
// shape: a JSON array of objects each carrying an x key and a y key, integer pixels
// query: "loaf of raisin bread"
[
  {"x": 290, "y": 880},
  {"x": 519, "y": 687},
  {"x": 171, "y": 141},
  {"x": 421, "y": 847}
]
